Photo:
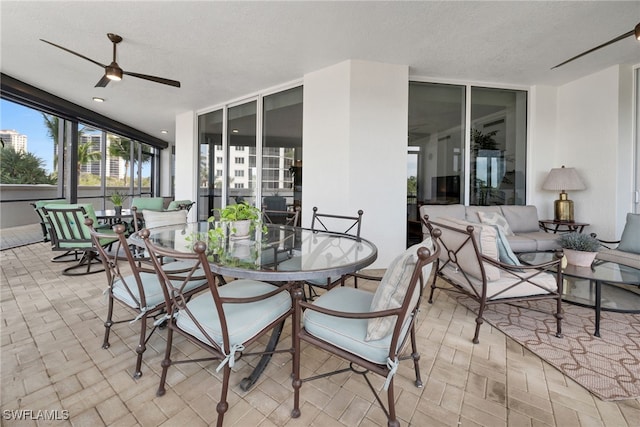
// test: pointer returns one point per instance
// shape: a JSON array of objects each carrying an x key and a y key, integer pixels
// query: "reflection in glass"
[
  {"x": 282, "y": 150},
  {"x": 241, "y": 154},
  {"x": 210, "y": 163},
  {"x": 436, "y": 144},
  {"x": 498, "y": 146}
]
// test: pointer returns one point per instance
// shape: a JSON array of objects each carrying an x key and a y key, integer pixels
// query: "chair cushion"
[
  {"x": 393, "y": 289},
  {"x": 348, "y": 334},
  {"x": 496, "y": 218},
  {"x": 151, "y": 203},
  {"x": 625, "y": 258},
  {"x": 151, "y": 287},
  {"x": 244, "y": 321},
  {"x": 546, "y": 280},
  {"x": 521, "y": 219},
  {"x": 154, "y": 219},
  {"x": 486, "y": 238},
  {"x": 175, "y": 204},
  {"x": 630, "y": 239}
]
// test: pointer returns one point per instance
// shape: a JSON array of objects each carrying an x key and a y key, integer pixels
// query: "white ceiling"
[{"x": 224, "y": 50}]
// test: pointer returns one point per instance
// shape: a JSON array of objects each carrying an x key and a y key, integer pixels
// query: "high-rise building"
[{"x": 11, "y": 138}]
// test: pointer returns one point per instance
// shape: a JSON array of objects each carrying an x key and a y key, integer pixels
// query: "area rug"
[{"x": 609, "y": 366}]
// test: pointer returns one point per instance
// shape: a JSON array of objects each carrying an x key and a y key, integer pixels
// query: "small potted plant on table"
[
  {"x": 241, "y": 217},
  {"x": 118, "y": 198},
  {"x": 579, "y": 249}
]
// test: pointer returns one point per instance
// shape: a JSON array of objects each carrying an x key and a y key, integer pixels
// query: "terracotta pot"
[{"x": 579, "y": 258}]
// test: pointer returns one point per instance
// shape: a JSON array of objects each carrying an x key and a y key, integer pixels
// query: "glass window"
[
  {"x": 282, "y": 150},
  {"x": 210, "y": 173},
  {"x": 242, "y": 121},
  {"x": 498, "y": 146},
  {"x": 31, "y": 152},
  {"x": 435, "y": 158}
]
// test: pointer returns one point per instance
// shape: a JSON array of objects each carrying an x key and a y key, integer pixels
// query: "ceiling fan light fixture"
[
  {"x": 637, "y": 32},
  {"x": 113, "y": 72}
]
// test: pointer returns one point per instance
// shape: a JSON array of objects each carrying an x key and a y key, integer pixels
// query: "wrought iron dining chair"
[
  {"x": 136, "y": 286},
  {"x": 291, "y": 218},
  {"x": 338, "y": 224},
  {"x": 368, "y": 330},
  {"x": 223, "y": 321},
  {"x": 69, "y": 234}
]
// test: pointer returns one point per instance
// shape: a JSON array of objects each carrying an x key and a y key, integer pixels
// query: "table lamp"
[{"x": 561, "y": 179}]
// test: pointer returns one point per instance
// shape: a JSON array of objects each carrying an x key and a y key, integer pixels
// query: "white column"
[
  {"x": 186, "y": 179},
  {"x": 355, "y": 149}
]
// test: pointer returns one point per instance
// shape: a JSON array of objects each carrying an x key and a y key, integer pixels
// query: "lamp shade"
[{"x": 561, "y": 179}]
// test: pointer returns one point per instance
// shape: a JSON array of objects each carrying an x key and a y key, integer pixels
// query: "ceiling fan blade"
[
  {"x": 104, "y": 81},
  {"x": 153, "y": 79},
  {"x": 73, "y": 53},
  {"x": 620, "y": 37}
]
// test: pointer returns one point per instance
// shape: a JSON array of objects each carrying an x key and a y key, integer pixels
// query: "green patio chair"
[
  {"x": 149, "y": 203},
  {"x": 67, "y": 256},
  {"x": 69, "y": 233}
]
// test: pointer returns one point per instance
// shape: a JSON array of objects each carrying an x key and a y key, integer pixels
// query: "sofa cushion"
[
  {"x": 544, "y": 241},
  {"x": 485, "y": 236},
  {"x": 521, "y": 219},
  {"x": 521, "y": 243},
  {"x": 496, "y": 218},
  {"x": 630, "y": 239}
]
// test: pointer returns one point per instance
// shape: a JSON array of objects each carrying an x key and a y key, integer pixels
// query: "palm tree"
[
  {"x": 52, "y": 124},
  {"x": 85, "y": 155},
  {"x": 19, "y": 167},
  {"x": 121, "y": 147}
]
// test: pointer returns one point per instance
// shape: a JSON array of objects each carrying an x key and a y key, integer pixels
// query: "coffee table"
[{"x": 605, "y": 285}]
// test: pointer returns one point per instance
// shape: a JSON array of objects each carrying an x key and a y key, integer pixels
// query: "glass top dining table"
[{"x": 280, "y": 254}]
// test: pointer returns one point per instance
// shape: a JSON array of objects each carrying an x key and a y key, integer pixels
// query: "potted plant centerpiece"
[
  {"x": 579, "y": 249},
  {"x": 118, "y": 198},
  {"x": 242, "y": 218}
]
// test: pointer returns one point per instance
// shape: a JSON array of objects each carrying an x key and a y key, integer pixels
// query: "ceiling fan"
[
  {"x": 113, "y": 70},
  {"x": 635, "y": 32}
]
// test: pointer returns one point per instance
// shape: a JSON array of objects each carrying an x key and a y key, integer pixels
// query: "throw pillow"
[
  {"x": 154, "y": 219},
  {"x": 494, "y": 218},
  {"x": 393, "y": 288},
  {"x": 485, "y": 237},
  {"x": 630, "y": 240},
  {"x": 505, "y": 254}
]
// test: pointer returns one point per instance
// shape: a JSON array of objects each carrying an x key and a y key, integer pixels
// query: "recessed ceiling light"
[
  {"x": 164, "y": 131},
  {"x": 95, "y": 98},
  {"x": 235, "y": 130}
]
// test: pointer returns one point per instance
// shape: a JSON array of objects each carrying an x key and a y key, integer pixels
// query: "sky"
[{"x": 31, "y": 123}]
